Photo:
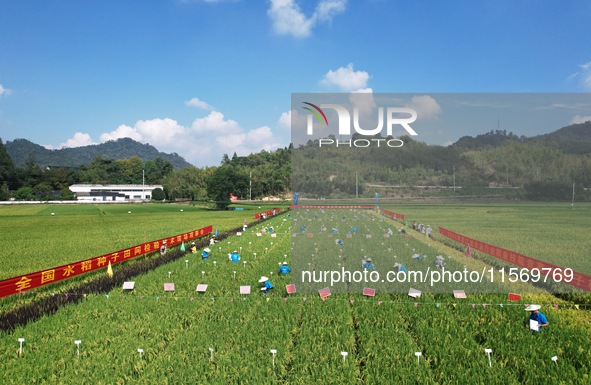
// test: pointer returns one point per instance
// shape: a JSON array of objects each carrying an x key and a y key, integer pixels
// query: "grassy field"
[
  {"x": 33, "y": 239},
  {"x": 380, "y": 334},
  {"x": 551, "y": 232}
]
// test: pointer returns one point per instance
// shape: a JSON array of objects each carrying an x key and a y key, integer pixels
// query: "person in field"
[
  {"x": 439, "y": 262},
  {"x": 267, "y": 285},
  {"x": 163, "y": 248},
  {"x": 400, "y": 267},
  {"x": 284, "y": 269},
  {"x": 193, "y": 247},
  {"x": 234, "y": 257},
  {"x": 205, "y": 254},
  {"x": 367, "y": 264},
  {"x": 429, "y": 231},
  {"x": 212, "y": 241},
  {"x": 339, "y": 242},
  {"x": 536, "y": 316}
]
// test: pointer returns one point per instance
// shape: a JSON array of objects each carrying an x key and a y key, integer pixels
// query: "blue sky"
[{"x": 204, "y": 78}]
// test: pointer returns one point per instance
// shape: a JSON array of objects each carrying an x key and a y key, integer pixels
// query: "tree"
[
  {"x": 158, "y": 194},
  {"x": 223, "y": 181},
  {"x": 7, "y": 170}
]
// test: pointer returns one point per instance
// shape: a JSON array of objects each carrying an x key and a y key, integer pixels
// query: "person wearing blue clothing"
[
  {"x": 355, "y": 229},
  {"x": 267, "y": 285},
  {"x": 271, "y": 229},
  {"x": 537, "y": 317},
  {"x": 205, "y": 254},
  {"x": 400, "y": 267},
  {"x": 303, "y": 228},
  {"x": 339, "y": 242},
  {"x": 234, "y": 257},
  {"x": 367, "y": 264},
  {"x": 284, "y": 269}
]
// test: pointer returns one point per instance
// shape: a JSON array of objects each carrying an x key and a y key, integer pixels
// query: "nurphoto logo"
[{"x": 392, "y": 116}]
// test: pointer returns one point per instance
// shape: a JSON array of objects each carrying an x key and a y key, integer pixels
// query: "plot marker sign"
[
  {"x": 20, "y": 347},
  {"x": 244, "y": 290},
  {"x": 128, "y": 285},
  {"x": 369, "y": 292},
  {"x": 201, "y": 288},
  {"x": 459, "y": 294},
  {"x": 488, "y": 352},
  {"x": 291, "y": 289},
  {"x": 169, "y": 287}
]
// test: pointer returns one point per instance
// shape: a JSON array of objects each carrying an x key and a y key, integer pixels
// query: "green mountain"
[{"x": 22, "y": 151}]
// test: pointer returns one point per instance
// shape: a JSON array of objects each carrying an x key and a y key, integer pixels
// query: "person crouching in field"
[
  {"x": 284, "y": 269},
  {"x": 367, "y": 264},
  {"x": 234, "y": 257},
  {"x": 536, "y": 316},
  {"x": 163, "y": 248},
  {"x": 205, "y": 254},
  {"x": 267, "y": 285},
  {"x": 193, "y": 247}
]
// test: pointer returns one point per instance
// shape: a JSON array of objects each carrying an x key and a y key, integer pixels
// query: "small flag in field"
[
  {"x": 291, "y": 289},
  {"x": 459, "y": 294},
  {"x": 468, "y": 252},
  {"x": 110, "y": 270},
  {"x": 514, "y": 297},
  {"x": 369, "y": 292}
]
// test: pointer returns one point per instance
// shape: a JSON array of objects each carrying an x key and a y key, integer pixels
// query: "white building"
[{"x": 113, "y": 192}]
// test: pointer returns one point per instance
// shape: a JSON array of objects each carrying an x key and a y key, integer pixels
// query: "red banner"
[
  {"x": 41, "y": 278},
  {"x": 580, "y": 280},
  {"x": 393, "y": 215},
  {"x": 365, "y": 207},
  {"x": 267, "y": 213}
]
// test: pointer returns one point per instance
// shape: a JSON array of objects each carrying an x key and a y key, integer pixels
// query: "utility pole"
[
  {"x": 572, "y": 203},
  {"x": 356, "y": 185},
  {"x": 143, "y": 185},
  {"x": 454, "y": 173},
  {"x": 250, "y": 187}
]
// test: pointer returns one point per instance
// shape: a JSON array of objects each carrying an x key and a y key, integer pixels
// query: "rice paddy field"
[{"x": 220, "y": 336}]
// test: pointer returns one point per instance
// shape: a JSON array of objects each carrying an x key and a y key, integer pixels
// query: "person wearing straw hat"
[
  {"x": 367, "y": 264},
  {"x": 205, "y": 254},
  {"x": 193, "y": 247},
  {"x": 536, "y": 316},
  {"x": 284, "y": 269},
  {"x": 234, "y": 257},
  {"x": 267, "y": 285},
  {"x": 163, "y": 248}
]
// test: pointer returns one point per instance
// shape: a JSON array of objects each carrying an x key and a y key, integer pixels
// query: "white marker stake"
[
  {"x": 240, "y": 249},
  {"x": 273, "y": 352},
  {"x": 555, "y": 359},
  {"x": 234, "y": 275},
  {"x": 78, "y": 342},
  {"x": 20, "y": 347},
  {"x": 418, "y": 354},
  {"x": 186, "y": 263},
  {"x": 266, "y": 248},
  {"x": 488, "y": 352},
  {"x": 211, "y": 354},
  {"x": 202, "y": 274},
  {"x": 169, "y": 274},
  {"x": 214, "y": 264},
  {"x": 344, "y": 354},
  {"x": 244, "y": 263},
  {"x": 140, "y": 351},
  {"x": 255, "y": 255}
]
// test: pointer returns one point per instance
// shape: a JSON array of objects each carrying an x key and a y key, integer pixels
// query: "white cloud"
[
  {"x": 123, "y": 131},
  {"x": 4, "y": 90},
  {"x": 580, "y": 119},
  {"x": 284, "y": 121},
  {"x": 425, "y": 106},
  {"x": 287, "y": 18},
  {"x": 196, "y": 102},
  {"x": 78, "y": 140},
  {"x": 364, "y": 101},
  {"x": 215, "y": 123},
  {"x": 346, "y": 79},
  {"x": 583, "y": 76}
]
